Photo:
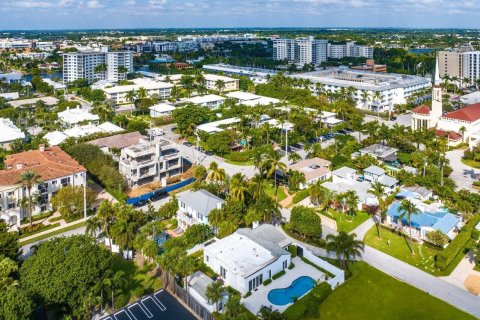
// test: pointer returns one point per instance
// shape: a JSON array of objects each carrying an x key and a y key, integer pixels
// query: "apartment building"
[
  {"x": 118, "y": 94},
  {"x": 471, "y": 66},
  {"x": 82, "y": 65},
  {"x": 56, "y": 170},
  {"x": 349, "y": 49},
  {"x": 230, "y": 84},
  {"x": 450, "y": 63},
  {"x": 150, "y": 161},
  {"x": 301, "y": 50}
]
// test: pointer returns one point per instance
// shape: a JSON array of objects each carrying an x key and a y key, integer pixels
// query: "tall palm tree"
[
  {"x": 220, "y": 85},
  {"x": 28, "y": 179},
  {"x": 294, "y": 157},
  {"x": 407, "y": 209},
  {"x": 365, "y": 98},
  {"x": 257, "y": 187},
  {"x": 378, "y": 191},
  {"x": 272, "y": 165},
  {"x": 320, "y": 195},
  {"x": 295, "y": 178},
  {"x": 214, "y": 293},
  {"x": 142, "y": 93},
  {"x": 215, "y": 173},
  {"x": 345, "y": 246},
  {"x": 238, "y": 187},
  {"x": 103, "y": 220},
  {"x": 114, "y": 281},
  {"x": 377, "y": 96},
  {"x": 130, "y": 96}
]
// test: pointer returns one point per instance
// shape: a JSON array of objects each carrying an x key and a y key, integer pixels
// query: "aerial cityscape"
[{"x": 219, "y": 160}]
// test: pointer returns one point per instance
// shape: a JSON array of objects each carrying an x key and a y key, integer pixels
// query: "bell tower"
[{"x": 437, "y": 105}]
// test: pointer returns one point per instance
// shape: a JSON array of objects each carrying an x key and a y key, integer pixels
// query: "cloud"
[{"x": 94, "y": 4}]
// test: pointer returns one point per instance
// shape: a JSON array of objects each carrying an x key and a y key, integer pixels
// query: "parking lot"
[{"x": 160, "y": 305}]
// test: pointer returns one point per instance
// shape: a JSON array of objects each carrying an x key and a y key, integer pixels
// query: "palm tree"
[
  {"x": 214, "y": 293},
  {"x": 114, "y": 280},
  {"x": 238, "y": 187},
  {"x": 142, "y": 93},
  {"x": 130, "y": 96},
  {"x": 272, "y": 165},
  {"x": 365, "y": 98},
  {"x": 28, "y": 179},
  {"x": 351, "y": 201},
  {"x": 220, "y": 85},
  {"x": 345, "y": 246},
  {"x": 295, "y": 178},
  {"x": 319, "y": 194},
  {"x": 102, "y": 220},
  {"x": 377, "y": 96},
  {"x": 407, "y": 209},
  {"x": 294, "y": 157},
  {"x": 269, "y": 314},
  {"x": 462, "y": 130},
  {"x": 215, "y": 173},
  {"x": 378, "y": 191},
  {"x": 257, "y": 187}
]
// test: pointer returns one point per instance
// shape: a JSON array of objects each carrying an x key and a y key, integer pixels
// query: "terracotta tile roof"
[
  {"x": 52, "y": 163},
  {"x": 423, "y": 109},
  {"x": 312, "y": 168},
  {"x": 452, "y": 135},
  {"x": 469, "y": 113}
]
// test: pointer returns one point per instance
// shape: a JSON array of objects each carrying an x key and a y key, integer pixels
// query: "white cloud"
[{"x": 94, "y": 4}]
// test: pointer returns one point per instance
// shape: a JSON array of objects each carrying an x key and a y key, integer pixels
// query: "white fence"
[{"x": 338, "y": 274}]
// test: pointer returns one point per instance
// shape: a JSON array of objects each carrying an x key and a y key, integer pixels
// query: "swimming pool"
[{"x": 298, "y": 288}]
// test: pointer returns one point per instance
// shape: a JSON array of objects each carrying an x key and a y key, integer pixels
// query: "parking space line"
[
  {"x": 160, "y": 305},
  {"x": 120, "y": 312},
  {"x": 143, "y": 308}
]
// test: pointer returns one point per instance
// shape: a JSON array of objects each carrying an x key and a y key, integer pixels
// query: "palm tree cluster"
[{"x": 345, "y": 246}]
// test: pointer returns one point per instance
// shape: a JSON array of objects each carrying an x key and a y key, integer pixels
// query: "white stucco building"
[
  {"x": 9, "y": 132},
  {"x": 118, "y": 94}
]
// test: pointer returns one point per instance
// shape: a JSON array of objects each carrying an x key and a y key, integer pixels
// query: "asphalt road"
[{"x": 462, "y": 174}]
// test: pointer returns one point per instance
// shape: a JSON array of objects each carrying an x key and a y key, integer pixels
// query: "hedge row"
[
  {"x": 278, "y": 275},
  {"x": 300, "y": 195},
  {"x": 308, "y": 306},
  {"x": 444, "y": 258}
]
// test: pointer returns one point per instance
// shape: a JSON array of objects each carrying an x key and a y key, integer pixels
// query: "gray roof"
[
  {"x": 201, "y": 201},
  {"x": 388, "y": 181},
  {"x": 424, "y": 192},
  {"x": 344, "y": 172},
  {"x": 268, "y": 237},
  {"x": 375, "y": 170},
  {"x": 119, "y": 141},
  {"x": 410, "y": 169},
  {"x": 378, "y": 150},
  {"x": 199, "y": 282},
  {"x": 360, "y": 188}
]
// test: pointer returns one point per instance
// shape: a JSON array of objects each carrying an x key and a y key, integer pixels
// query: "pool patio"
[{"x": 258, "y": 298}]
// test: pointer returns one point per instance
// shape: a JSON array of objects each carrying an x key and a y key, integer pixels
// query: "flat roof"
[
  {"x": 241, "y": 95},
  {"x": 47, "y": 100},
  {"x": 146, "y": 84},
  {"x": 162, "y": 107},
  {"x": 205, "y": 99},
  {"x": 362, "y": 80}
]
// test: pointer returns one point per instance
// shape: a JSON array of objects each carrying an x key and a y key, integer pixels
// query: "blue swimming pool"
[{"x": 298, "y": 288}]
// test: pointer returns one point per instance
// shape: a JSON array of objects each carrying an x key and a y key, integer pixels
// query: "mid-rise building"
[
  {"x": 450, "y": 64},
  {"x": 212, "y": 82},
  {"x": 301, "y": 50},
  {"x": 150, "y": 161},
  {"x": 471, "y": 66},
  {"x": 119, "y": 94},
  {"x": 56, "y": 170},
  {"x": 97, "y": 65}
]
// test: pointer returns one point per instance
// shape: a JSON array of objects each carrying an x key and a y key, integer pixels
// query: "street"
[{"x": 462, "y": 174}]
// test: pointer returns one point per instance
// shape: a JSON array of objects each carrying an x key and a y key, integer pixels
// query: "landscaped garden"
[
  {"x": 344, "y": 222},
  {"x": 371, "y": 294}
]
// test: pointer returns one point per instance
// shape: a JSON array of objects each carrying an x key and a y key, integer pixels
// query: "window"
[
  {"x": 223, "y": 272},
  {"x": 207, "y": 258},
  {"x": 285, "y": 264}
]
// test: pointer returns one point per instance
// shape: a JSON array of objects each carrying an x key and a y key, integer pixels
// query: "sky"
[{"x": 99, "y": 14}]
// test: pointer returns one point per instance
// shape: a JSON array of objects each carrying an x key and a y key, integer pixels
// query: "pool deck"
[{"x": 259, "y": 295}]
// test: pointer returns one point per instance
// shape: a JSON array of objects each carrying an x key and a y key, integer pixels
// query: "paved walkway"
[
  {"x": 66, "y": 225},
  {"x": 362, "y": 229},
  {"x": 462, "y": 271},
  {"x": 461, "y": 174}
]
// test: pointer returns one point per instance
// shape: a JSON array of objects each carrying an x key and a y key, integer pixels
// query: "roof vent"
[
  {"x": 19, "y": 165},
  {"x": 41, "y": 147}
]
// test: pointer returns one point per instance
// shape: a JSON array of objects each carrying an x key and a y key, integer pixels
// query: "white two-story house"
[
  {"x": 150, "y": 161},
  {"x": 55, "y": 168},
  {"x": 194, "y": 207}
]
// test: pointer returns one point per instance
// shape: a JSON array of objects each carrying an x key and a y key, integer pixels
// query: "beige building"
[
  {"x": 230, "y": 84},
  {"x": 450, "y": 63}
]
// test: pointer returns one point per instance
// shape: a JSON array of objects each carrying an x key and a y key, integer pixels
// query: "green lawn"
[
  {"x": 239, "y": 163},
  {"x": 270, "y": 190},
  {"x": 399, "y": 248},
  {"x": 347, "y": 224},
  {"x": 53, "y": 233},
  {"x": 371, "y": 294},
  {"x": 471, "y": 163},
  {"x": 139, "y": 281}
]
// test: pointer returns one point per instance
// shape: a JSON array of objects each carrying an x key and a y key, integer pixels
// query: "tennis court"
[{"x": 158, "y": 306}]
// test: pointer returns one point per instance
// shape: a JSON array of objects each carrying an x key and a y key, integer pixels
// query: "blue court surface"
[{"x": 158, "y": 306}]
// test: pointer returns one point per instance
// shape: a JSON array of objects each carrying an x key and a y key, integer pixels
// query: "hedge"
[
  {"x": 291, "y": 266},
  {"x": 267, "y": 282},
  {"x": 293, "y": 250},
  {"x": 278, "y": 275},
  {"x": 444, "y": 258},
  {"x": 300, "y": 195},
  {"x": 247, "y": 155},
  {"x": 307, "y": 307}
]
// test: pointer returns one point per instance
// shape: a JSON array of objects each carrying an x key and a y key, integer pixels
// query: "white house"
[
  {"x": 246, "y": 258},
  {"x": 161, "y": 109},
  {"x": 315, "y": 169},
  {"x": 345, "y": 179},
  {"x": 71, "y": 117},
  {"x": 194, "y": 207},
  {"x": 57, "y": 137},
  {"x": 118, "y": 94},
  {"x": 56, "y": 170},
  {"x": 198, "y": 283},
  {"x": 377, "y": 174},
  {"x": 9, "y": 132},
  {"x": 211, "y": 101}
]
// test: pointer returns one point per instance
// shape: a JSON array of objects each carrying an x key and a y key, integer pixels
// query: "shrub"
[
  {"x": 278, "y": 275},
  {"x": 300, "y": 195},
  {"x": 293, "y": 250},
  {"x": 444, "y": 258},
  {"x": 307, "y": 306},
  {"x": 267, "y": 282},
  {"x": 248, "y": 294},
  {"x": 291, "y": 266},
  {"x": 437, "y": 238},
  {"x": 475, "y": 234}
]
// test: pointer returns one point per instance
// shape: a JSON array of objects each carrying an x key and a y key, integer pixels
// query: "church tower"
[{"x": 437, "y": 106}]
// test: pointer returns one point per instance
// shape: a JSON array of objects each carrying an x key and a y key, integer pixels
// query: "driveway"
[
  {"x": 461, "y": 174},
  {"x": 462, "y": 271}
]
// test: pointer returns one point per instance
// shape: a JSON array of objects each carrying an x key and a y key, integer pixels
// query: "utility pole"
[{"x": 85, "y": 197}]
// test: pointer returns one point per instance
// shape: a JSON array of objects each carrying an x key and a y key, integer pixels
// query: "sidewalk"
[{"x": 53, "y": 230}]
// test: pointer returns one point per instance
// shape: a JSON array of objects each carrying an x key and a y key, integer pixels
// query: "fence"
[
  {"x": 193, "y": 304},
  {"x": 148, "y": 196}
]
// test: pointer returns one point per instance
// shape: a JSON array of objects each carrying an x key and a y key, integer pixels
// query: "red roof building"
[
  {"x": 469, "y": 113},
  {"x": 423, "y": 109}
]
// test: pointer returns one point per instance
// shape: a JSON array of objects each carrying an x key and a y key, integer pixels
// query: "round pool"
[{"x": 297, "y": 289}]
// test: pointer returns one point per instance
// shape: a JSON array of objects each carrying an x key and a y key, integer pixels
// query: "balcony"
[{"x": 189, "y": 220}]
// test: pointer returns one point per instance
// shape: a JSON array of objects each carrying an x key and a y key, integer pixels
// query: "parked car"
[{"x": 188, "y": 144}]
